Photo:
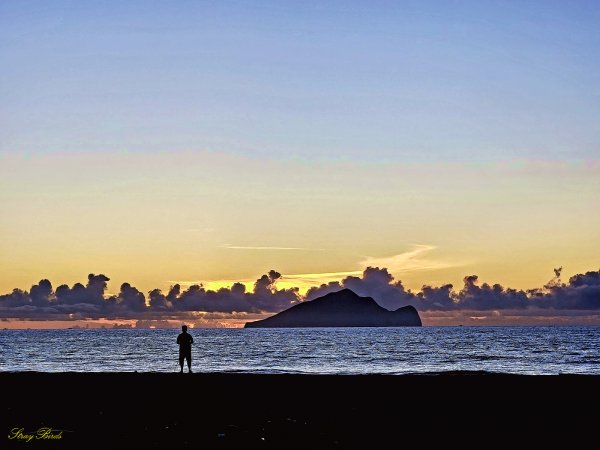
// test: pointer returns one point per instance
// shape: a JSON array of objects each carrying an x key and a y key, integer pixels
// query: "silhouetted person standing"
[{"x": 185, "y": 341}]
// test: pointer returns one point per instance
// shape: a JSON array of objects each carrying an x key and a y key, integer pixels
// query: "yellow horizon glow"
[
  {"x": 220, "y": 218},
  {"x": 429, "y": 318}
]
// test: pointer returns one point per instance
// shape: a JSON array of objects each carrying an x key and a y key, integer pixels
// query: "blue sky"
[
  {"x": 161, "y": 142},
  {"x": 399, "y": 81}
]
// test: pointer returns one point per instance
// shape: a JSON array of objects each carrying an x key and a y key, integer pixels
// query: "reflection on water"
[{"x": 529, "y": 350}]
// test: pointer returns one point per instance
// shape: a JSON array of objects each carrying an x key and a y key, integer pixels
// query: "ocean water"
[{"x": 523, "y": 350}]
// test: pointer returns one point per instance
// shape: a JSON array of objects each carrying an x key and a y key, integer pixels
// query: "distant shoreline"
[
  {"x": 235, "y": 410},
  {"x": 174, "y": 328}
]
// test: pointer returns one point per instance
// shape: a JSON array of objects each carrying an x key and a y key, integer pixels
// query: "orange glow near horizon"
[
  {"x": 214, "y": 236},
  {"x": 425, "y": 233},
  {"x": 429, "y": 318}
]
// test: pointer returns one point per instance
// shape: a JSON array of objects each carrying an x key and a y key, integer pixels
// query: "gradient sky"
[{"x": 161, "y": 142}]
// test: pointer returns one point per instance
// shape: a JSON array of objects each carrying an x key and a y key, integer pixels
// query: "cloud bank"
[{"x": 89, "y": 301}]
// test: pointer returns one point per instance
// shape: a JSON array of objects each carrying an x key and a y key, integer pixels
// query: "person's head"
[{"x": 184, "y": 328}]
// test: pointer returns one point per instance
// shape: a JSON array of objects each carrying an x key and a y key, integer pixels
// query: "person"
[{"x": 185, "y": 341}]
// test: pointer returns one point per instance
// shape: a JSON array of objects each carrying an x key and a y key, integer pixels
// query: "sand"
[{"x": 206, "y": 411}]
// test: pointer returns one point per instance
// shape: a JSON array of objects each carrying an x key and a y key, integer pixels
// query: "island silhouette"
[{"x": 340, "y": 309}]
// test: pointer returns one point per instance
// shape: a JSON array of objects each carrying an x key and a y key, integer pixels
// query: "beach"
[{"x": 229, "y": 410}]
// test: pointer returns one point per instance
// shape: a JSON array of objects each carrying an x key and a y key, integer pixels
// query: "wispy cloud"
[
  {"x": 199, "y": 230},
  {"x": 252, "y": 247},
  {"x": 411, "y": 261},
  {"x": 322, "y": 275}
]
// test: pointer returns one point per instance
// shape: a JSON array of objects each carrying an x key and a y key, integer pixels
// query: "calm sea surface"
[{"x": 526, "y": 350}]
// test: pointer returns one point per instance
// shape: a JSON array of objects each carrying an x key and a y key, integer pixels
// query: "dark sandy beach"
[{"x": 204, "y": 411}]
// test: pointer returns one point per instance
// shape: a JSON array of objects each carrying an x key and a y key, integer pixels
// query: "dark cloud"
[
  {"x": 15, "y": 299},
  {"x": 437, "y": 298},
  {"x": 582, "y": 292},
  {"x": 557, "y": 272},
  {"x": 375, "y": 282},
  {"x": 130, "y": 299},
  {"x": 40, "y": 293},
  {"x": 486, "y": 297},
  {"x": 264, "y": 298},
  {"x": 89, "y": 301},
  {"x": 92, "y": 293},
  {"x": 158, "y": 301}
]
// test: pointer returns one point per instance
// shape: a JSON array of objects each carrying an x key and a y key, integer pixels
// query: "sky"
[{"x": 162, "y": 143}]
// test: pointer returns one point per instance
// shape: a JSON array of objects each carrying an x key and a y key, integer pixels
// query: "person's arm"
[
  {"x": 191, "y": 339},
  {"x": 178, "y": 339}
]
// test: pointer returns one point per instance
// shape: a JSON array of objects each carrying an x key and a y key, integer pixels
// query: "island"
[{"x": 340, "y": 309}]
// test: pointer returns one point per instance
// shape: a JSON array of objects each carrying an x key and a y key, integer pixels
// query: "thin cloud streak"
[
  {"x": 411, "y": 261},
  {"x": 198, "y": 230},
  {"x": 321, "y": 276},
  {"x": 247, "y": 247}
]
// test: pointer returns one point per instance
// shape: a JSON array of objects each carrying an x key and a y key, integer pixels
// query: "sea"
[{"x": 518, "y": 350}]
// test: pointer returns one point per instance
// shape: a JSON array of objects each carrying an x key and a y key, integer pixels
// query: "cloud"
[
  {"x": 129, "y": 298},
  {"x": 264, "y": 297},
  {"x": 582, "y": 292},
  {"x": 579, "y": 297},
  {"x": 245, "y": 247},
  {"x": 410, "y": 261},
  {"x": 328, "y": 276},
  {"x": 92, "y": 293},
  {"x": 90, "y": 301},
  {"x": 375, "y": 282},
  {"x": 199, "y": 230}
]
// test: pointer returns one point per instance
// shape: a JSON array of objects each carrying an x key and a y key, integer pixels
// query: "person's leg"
[
  {"x": 189, "y": 361},
  {"x": 181, "y": 358}
]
